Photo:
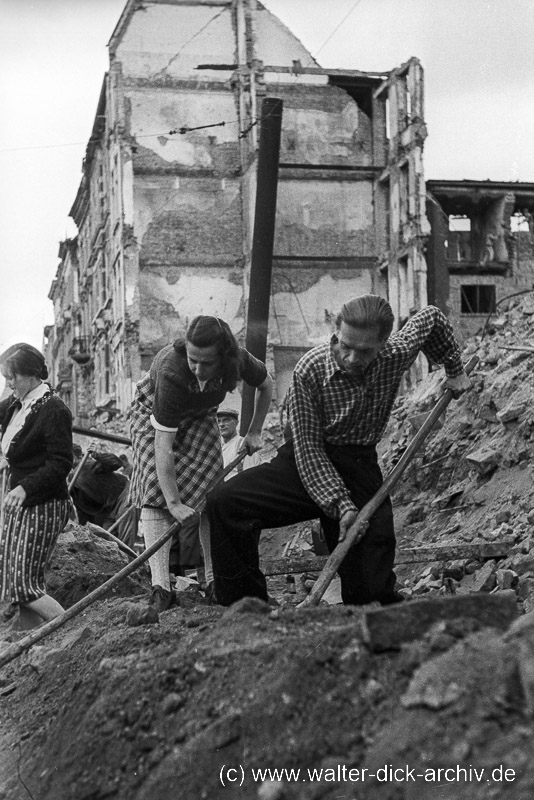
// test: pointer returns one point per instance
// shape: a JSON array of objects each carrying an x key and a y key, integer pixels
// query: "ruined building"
[
  {"x": 165, "y": 206},
  {"x": 481, "y": 248}
]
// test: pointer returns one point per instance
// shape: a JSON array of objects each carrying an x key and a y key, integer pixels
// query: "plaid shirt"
[{"x": 326, "y": 405}]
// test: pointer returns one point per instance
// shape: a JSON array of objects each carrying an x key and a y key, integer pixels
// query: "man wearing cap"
[{"x": 231, "y": 441}]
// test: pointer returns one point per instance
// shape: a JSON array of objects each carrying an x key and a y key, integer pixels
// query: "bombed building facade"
[
  {"x": 481, "y": 248},
  {"x": 165, "y": 207}
]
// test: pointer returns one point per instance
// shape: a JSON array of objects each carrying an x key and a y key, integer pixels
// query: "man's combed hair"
[{"x": 368, "y": 311}]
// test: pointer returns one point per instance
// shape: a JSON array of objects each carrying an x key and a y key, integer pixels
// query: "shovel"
[{"x": 362, "y": 520}]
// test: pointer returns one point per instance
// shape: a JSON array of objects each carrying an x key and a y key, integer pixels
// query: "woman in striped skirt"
[
  {"x": 175, "y": 437},
  {"x": 36, "y": 457}
]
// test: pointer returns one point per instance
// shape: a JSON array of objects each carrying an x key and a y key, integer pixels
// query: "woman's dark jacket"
[{"x": 40, "y": 455}]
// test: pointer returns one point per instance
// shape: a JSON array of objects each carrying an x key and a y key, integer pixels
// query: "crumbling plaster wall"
[
  {"x": 193, "y": 195},
  {"x": 322, "y": 125},
  {"x": 190, "y": 255},
  {"x": 169, "y": 41},
  {"x": 170, "y": 298},
  {"x": 325, "y": 218},
  {"x": 274, "y": 43},
  {"x": 186, "y": 200},
  {"x": 155, "y": 110},
  {"x": 305, "y": 302},
  {"x": 323, "y": 212}
]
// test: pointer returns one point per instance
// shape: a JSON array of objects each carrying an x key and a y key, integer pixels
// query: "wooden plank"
[
  {"x": 404, "y": 555},
  {"x": 513, "y": 347}
]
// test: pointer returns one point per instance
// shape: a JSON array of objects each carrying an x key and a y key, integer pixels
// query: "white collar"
[{"x": 34, "y": 394}]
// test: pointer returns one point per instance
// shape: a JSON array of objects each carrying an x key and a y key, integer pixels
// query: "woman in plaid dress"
[
  {"x": 175, "y": 436},
  {"x": 36, "y": 457}
]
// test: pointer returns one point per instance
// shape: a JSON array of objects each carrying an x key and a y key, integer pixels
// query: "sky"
[{"x": 479, "y": 107}]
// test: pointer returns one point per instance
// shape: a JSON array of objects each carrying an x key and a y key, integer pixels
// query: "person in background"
[
  {"x": 339, "y": 403},
  {"x": 230, "y": 439},
  {"x": 126, "y": 466},
  {"x": 36, "y": 457},
  {"x": 100, "y": 494},
  {"x": 232, "y": 442},
  {"x": 232, "y": 446},
  {"x": 175, "y": 437},
  {"x": 97, "y": 487}
]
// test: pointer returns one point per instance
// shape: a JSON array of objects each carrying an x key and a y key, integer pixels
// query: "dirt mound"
[
  {"x": 209, "y": 698},
  {"x": 81, "y": 562}
]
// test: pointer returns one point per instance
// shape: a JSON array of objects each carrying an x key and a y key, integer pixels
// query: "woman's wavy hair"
[
  {"x": 24, "y": 359},
  {"x": 204, "y": 331}
]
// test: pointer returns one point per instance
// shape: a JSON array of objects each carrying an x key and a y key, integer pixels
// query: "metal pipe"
[
  {"x": 262, "y": 244},
  {"x": 110, "y": 437}
]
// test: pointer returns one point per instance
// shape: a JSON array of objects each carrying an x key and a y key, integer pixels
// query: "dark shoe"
[
  {"x": 9, "y": 611},
  {"x": 210, "y": 595},
  {"x": 393, "y": 597},
  {"x": 162, "y": 599}
]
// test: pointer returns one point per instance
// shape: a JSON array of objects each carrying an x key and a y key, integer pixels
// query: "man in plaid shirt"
[{"x": 339, "y": 402}]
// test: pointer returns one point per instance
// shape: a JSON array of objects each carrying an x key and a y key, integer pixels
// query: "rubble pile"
[{"x": 473, "y": 479}]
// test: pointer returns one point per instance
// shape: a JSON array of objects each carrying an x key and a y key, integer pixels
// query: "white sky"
[{"x": 479, "y": 106}]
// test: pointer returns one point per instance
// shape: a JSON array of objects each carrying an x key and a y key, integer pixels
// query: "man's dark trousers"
[{"x": 272, "y": 496}]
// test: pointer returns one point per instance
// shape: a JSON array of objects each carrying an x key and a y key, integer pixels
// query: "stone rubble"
[{"x": 473, "y": 479}]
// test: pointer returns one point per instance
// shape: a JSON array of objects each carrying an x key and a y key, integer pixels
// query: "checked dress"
[{"x": 169, "y": 397}]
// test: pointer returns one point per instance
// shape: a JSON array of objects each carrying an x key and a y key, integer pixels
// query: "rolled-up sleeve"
[{"x": 431, "y": 332}]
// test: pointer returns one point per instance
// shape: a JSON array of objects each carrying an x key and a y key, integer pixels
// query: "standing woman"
[
  {"x": 36, "y": 450},
  {"x": 175, "y": 436}
]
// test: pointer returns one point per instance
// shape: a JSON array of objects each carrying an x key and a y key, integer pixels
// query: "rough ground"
[{"x": 104, "y": 708}]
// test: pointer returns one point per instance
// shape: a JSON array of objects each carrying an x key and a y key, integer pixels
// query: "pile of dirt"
[{"x": 206, "y": 701}]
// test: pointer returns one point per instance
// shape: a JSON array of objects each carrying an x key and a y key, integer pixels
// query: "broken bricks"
[{"x": 484, "y": 460}]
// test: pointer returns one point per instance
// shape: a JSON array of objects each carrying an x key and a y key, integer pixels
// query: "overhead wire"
[
  {"x": 182, "y": 129},
  {"x": 338, "y": 26}
]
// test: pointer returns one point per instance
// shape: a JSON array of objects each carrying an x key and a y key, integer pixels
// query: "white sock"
[{"x": 153, "y": 524}]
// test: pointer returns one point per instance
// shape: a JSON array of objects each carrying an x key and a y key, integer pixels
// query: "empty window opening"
[
  {"x": 408, "y": 106},
  {"x": 477, "y": 299},
  {"x": 459, "y": 223},
  {"x": 404, "y": 192},
  {"x": 519, "y": 223},
  {"x": 406, "y": 290},
  {"x": 459, "y": 240}
]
